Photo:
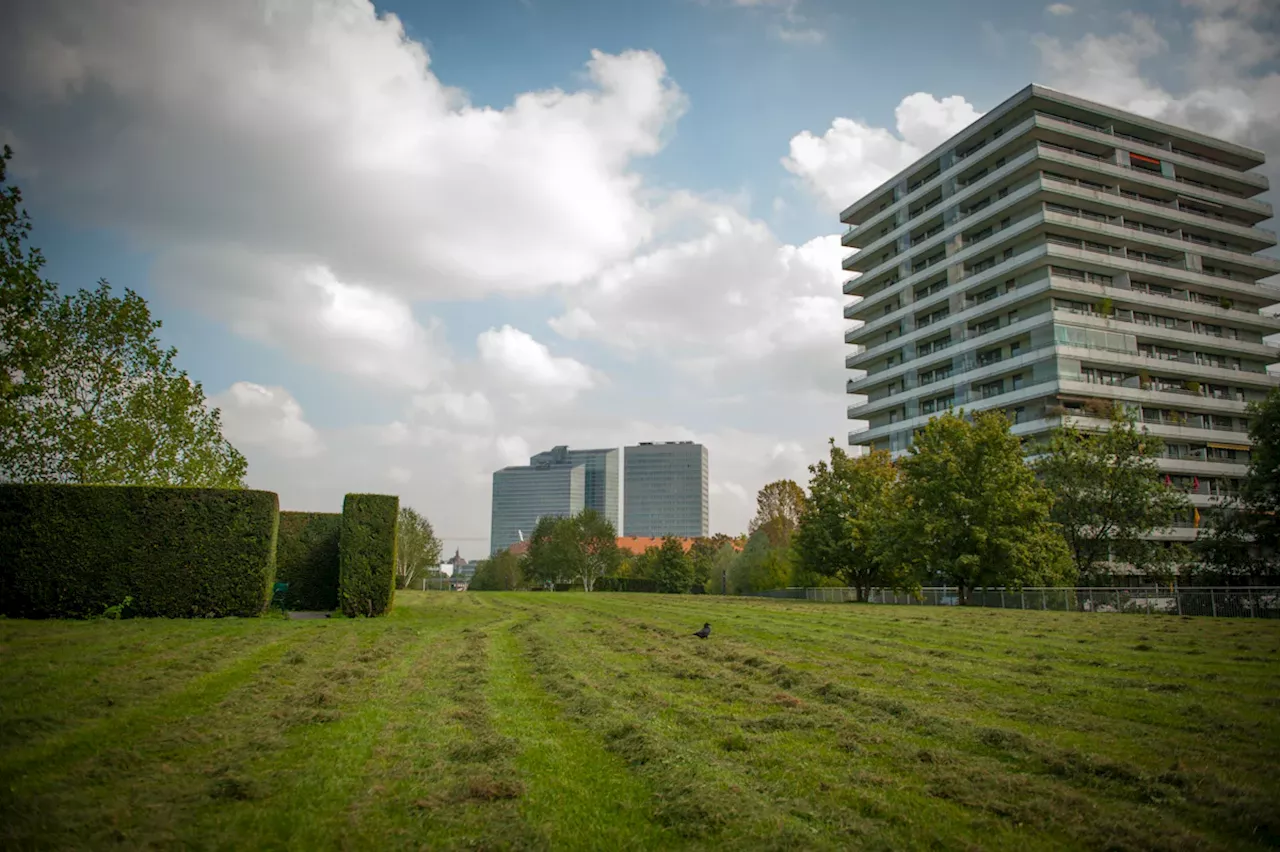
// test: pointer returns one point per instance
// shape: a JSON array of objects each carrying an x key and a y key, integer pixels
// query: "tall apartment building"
[
  {"x": 664, "y": 490},
  {"x": 1058, "y": 256},
  {"x": 601, "y": 472},
  {"x": 522, "y": 494}
]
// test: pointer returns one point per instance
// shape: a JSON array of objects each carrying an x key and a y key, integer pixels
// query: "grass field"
[{"x": 531, "y": 721}]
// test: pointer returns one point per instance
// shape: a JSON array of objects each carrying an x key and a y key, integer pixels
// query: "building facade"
[
  {"x": 664, "y": 490},
  {"x": 523, "y": 494},
  {"x": 1058, "y": 257},
  {"x": 602, "y": 476}
]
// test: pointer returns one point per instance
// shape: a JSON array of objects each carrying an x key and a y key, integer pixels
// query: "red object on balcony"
[{"x": 1143, "y": 159}]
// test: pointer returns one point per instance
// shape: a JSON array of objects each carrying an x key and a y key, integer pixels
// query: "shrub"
[
  {"x": 307, "y": 559},
  {"x": 626, "y": 584},
  {"x": 77, "y": 550},
  {"x": 367, "y": 554}
]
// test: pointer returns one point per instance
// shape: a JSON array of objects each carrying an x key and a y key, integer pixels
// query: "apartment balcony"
[
  {"x": 1129, "y": 233},
  {"x": 1022, "y": 190},
  {"x": 969, "y": 402},
  {"x": 1184, "y": 338},
  {"x": 1243, "y": 181},
  {"x": 1179, "y": 304},
  {"x": 1247, "y": 210},
  {"x": 1250, "y": 236}
]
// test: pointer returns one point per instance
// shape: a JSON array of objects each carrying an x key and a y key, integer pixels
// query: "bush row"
[
  {"x": 367, "y": 554},
  {"x": 75, "y": 550},
  {"x": 307, "y": 559}
]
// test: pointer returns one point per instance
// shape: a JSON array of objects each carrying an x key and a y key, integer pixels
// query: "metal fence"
[{"x": 1217, "y": 601}]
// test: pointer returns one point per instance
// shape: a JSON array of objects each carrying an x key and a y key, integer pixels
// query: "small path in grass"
[{"x": 577, "y": 794}]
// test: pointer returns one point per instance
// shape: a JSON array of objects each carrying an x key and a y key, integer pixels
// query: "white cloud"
[
  {"x": 514, "y": 358},
  {"x": 269, "y": 150},
  {"x": 852, "y": 157},
  {"x": 1230, "y": 91},
  {"x": 1060, "y": 9},
  {"x": 401, "y": 475},
  {"x": 724, "y": 299},
  {"x": 268, "y": 418}
]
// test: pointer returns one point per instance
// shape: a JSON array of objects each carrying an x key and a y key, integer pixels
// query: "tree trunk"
[
  {"x": 963, "y": 592},
  {"x": 860, "y": 591}
]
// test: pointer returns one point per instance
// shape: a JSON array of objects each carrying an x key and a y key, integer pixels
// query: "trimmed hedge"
[
  {"x": 367, "y": 554},
  {"x": 74, "y": 550},
  {"x": 625, "y": 584},
  {"x": 307, "y": 559}
]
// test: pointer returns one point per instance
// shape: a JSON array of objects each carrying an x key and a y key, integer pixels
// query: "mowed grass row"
[{"x": 574, "y": 721}]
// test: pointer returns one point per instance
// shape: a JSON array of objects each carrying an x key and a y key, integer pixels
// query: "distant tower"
[{"x": 665, "y": 487}]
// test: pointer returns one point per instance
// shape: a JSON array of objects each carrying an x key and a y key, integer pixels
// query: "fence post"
[
  {"x": 1149, "y": 602},
  {"x": 1002, "y": 597},
  {"x": 1213, "y": 603},
  {"x": 1043, "y": 603},
  {"x": 1022, "y": 594},
  {"x": 1253, "y": 604},
  {"x": 1177, "y": 596}
]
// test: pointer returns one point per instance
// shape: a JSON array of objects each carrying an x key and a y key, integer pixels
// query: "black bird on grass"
[{"x": 705, "y": 631}]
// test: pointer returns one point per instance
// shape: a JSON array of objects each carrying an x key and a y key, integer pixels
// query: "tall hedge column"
[{"x": 367, "y": 554}]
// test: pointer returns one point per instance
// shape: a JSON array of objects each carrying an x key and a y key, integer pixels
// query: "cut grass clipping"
[{"x": 522, "y": 721}]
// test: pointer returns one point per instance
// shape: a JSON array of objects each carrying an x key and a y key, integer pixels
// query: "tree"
[
  {"x": 417, "y": 548},
  {"x": 582, "y": 547},
  {"x": 499, "y": 573},
  {"x": 672, "y": 569},
  {"x": 23, "y": 341},
  {"x": 703, "y": 555},
  {"x": 722, "y": 567},
  {"x": 639, "y": 565},
  {"x": 779, "y": 506},
  {"x": 1241, "y": 537},
  {"x": 972, "y": 512},
  {"x": 86, "y": 393},
  {"x": 849, "y": 520},
  {"x": 1261, "y": 490},
  {"x": 761, "y": 565},
  {"x": 554, "y": 555},
  {"x": 598, "y": 541},
  {"x": 1108, "y": 495}
]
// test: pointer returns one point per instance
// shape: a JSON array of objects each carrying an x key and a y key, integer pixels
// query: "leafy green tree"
[
  {"x": 639, "y": 565},
  {"x": 849, "y": 522},
  {"x": 972, "y": 512},
  {"x": 703, "y": 555},
  {"x": 721, "y": 567},
  {"x": 417, "y": 548},
  {"x": 583, "y": 548},
  {"x": 554, "y": 555},
  {"x": 748, "y": 567},
  {"x": 1108, "y": 494},
  {"x": 87, "y": 395},
  {"x": 23, "y": 293},
  {"x": 1261, "y": 490},
  {"x": 673, "y": 569},
  {"x": 598, "y": 541},
  {"x": 779, "y": 506},
  {"x": 1241, "y": 538},
  {"x": 499, "y": 573}
]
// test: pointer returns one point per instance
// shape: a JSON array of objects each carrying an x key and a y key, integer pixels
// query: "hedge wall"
[
  {"x": 307, "y": 559},
  {"x": 367, "y": 554},
  {"x": 74, "y": 550}
]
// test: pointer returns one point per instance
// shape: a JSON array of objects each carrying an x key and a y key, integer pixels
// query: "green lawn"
[{"x": 573, "y": 721}]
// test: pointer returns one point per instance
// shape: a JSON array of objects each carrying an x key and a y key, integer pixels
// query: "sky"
[{"x": 402, "y": 245}]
